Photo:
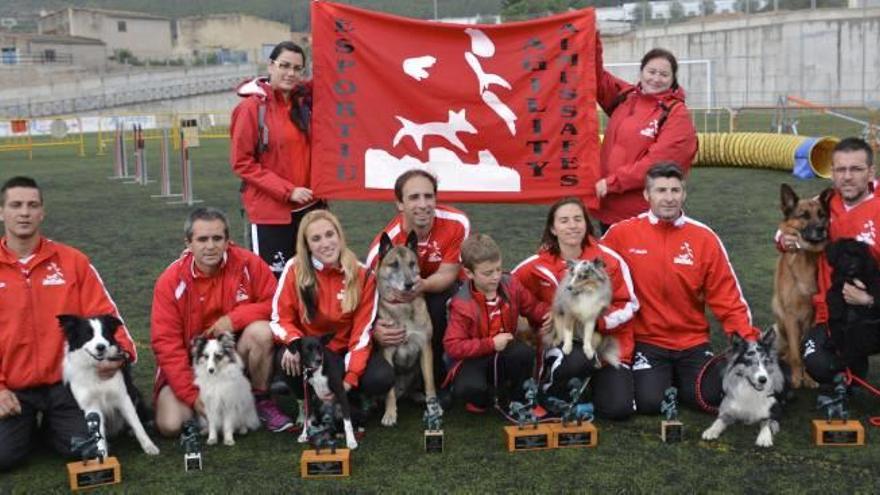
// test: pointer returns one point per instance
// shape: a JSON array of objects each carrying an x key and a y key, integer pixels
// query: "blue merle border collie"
[{"x": 90, "y": 341}]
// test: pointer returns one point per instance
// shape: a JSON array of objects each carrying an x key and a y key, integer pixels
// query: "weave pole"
[{"x": 165, "y": 168}]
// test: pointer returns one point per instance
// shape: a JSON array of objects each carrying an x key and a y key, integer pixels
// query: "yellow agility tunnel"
[{"x": 801, "y": 155}]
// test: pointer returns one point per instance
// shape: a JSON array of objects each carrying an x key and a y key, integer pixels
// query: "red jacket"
[
  {"x": 860, "y": 222},
  {"x": 467, "y": 333},
  {"x": 268, "y": 179},
  {"x": 246, "y": 292},
  {"x": 451, "y": 227},
  {"x": 633, "y": 143},
  {"x": 351, "y": 330},
  {"x": 540, "y": 274},
  {"x": 57, "y": 279},
  {"x": 679, "y": 268}
]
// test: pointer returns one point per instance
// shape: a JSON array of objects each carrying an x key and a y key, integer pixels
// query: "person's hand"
[
  {"x": 223, "y": 324},
  {"x": 408, "y": 296},
  {"x": 199, "y": 408},
  {"x": 388, "y": 333},
  {"x": 501, "y": 340},
  {"x": 856, "y": 295},
  {"x": 301, "y": 195},
  {"x": 290, "y": 363},
  {"x": 790, "y": 242},
  {"x": 9, "y": 405},
  {"x": 547, "y": 324},
  {"x": 346, "y": 386},
  {"x": 601, "y": 188},
  {"x": 107, "y": 368}
]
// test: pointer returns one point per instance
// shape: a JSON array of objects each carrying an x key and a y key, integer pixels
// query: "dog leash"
[
  {"x": 698, "y": 386},
  {"x": 850, "y": 378}
]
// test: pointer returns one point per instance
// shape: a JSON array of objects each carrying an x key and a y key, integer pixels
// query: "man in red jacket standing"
[
  {"x": 679, "y": 267},
  {"x": 213, "y": 287},
  {"x": 40, "y": 279}
]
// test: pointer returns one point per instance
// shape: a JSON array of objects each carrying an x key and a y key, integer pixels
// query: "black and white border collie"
[
  {"x": 325, "y": 385},
  {"x": 90, "y": 341},
  {"x": 223, "y": 388}
]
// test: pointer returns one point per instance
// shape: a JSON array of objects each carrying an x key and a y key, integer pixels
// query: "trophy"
[
  {"x": 575, "y": 428},
  {"x": 95, "y": 469},
  {"x": 671, "y": 429},
  {"x": 325, "y": 460},
  {"x": 837, "y": 429},
  {"x": 527, "y": 434},
  {"x": 433, "y": 419},
  {"x": 192, "y": 446}
]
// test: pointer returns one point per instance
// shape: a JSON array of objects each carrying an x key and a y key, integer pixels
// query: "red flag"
[{"x": 499, "y": 113}]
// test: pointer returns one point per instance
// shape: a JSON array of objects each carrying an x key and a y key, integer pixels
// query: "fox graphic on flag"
[{"x": 500, "y": 113}]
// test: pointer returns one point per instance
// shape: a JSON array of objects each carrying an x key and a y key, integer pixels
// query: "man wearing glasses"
[{"x": 855, "y": 214}]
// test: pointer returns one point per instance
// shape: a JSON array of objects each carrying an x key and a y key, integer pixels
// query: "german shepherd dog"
[
  {"x": 753, "y": 389},
  {"x": 581, "y": 298},
  {"x": 795, "y": 281},
  {"x": 397, "y": 274},
  {"x": 855, "y": 330}
]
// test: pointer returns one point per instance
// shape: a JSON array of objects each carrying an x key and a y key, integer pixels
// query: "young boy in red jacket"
[{"x": 479, "y": 338}]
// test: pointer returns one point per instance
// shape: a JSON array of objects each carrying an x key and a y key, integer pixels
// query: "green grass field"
[{"x": 131, "y": 238}]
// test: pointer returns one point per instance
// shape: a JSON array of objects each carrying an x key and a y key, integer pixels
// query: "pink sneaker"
[
  {"x": 272, "y": 417},
  {"x": 474, "y": 409}
]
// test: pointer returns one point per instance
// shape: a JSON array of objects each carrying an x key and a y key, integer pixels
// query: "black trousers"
[
  {"x": 437, "y": 309},
  {"x": 377, "y": 380},
  {"x": 62, "y": 420},
  {"x": 476, "y": 378},
  {"x": 655, "y": 369},
  {"x": 276, "y": 244},
  {"x": 823, "y": 362},
  {"x": 612, "y": 389}
]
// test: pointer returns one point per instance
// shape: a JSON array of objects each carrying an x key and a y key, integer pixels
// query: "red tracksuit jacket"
[
  {"x": 678, "y": 269},
  {"x": 467, "y": 333},
  {"x": 541, "y": 274},
  {"x": 177, "y": 318},
  {"x": 58, "y": 279},
  {"x": 268, "y": 178},
  {"x": 633, "y": 142},
  {"x": 351, "y": 331}
]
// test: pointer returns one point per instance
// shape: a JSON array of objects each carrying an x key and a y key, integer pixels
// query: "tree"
[
  {"x": 749, "y": 6},
  {"x": 676, "y": 11},
  {"x": 642, "y": 13},
  {"x": 708, "y": 7}
]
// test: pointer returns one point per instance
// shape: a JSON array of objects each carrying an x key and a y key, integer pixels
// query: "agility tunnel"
[{"x": 804, "y": 157}]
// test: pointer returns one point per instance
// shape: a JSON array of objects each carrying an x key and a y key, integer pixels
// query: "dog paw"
[
  {"x": 351, "y": 444},
  {"x": 566, "y": 348},
  {"x": 765, "y": 438},
  {"x": 212, "y": 441},
  {"x": 711, "y": 434},
  {"x": 810, "y": 383},
  {"x": 303, "y": 438},
  {"x": 589, "y": 352},
  {"x": 151, "y": 449},
  {"x": 389, "y": 419},
  {"x": 229, "y": 442}
]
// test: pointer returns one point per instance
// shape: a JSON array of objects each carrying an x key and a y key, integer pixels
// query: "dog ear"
[
  {"x": 825, "y": 198},
  {"x": 68, "y": 322},
  {"x": 110, "y": 322},
  {"x": 326, "y": 338},
  {"x": 833, "y": 251},
  {"x": 227, "y": 340},
  {"x": 737, "y": 343},
  {"x": 384, "y": 245},
  {"x": 412, "y": 241},
  {"x": 599, "y": 262},
  {"x": 295, "y": 346},
  {"x": 788, "y": 199},
  {"x": 768, "y": 338},
  {"x": 196, "y": 346}
]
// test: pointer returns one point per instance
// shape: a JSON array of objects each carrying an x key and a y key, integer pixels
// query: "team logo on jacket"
[
  {"x": 278, "y": 262},
  {"x": 55, "y": 276},
  {"x": 868, "y": 234},
  {"x": 430, "y": 251},
  {"x": 638, "y": 251},
  {"x": 651, "y": 130},
  {"x": 809, "y": 347},
  {"x": 640, "y": 362},
  {"x": 685, "y": 255},
  {"x": 241, "y": 294},
  {"x": 341, "y": 294},
  {"x": 2, "y": 285}
]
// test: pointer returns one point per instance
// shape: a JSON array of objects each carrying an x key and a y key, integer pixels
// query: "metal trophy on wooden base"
[
  {"x": 192, "y": 446},
  {"x": 837, "y": 429},
  {"x": 325, "y": 460},
  {"x": 527, "y": 434},
  {"x": 95, "y": 469},
  {"x": 575, "y": 428},
  {"x": 671, "y": 429},
  {"x": 433, "y": 419}
]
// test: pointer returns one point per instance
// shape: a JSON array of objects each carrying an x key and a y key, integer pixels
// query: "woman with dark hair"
[
  {"x": 270, "y": 153},
  {"x": 648, "y": 123},
  {"x": 568, "y": 236}
]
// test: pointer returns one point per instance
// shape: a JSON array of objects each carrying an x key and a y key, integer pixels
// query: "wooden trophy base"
[
  {"x": 838, "y": 433},
  {"x": 434, "y": 441},
  {"x": 192, "y": 462},
  {"x": 528, "y": 438},
  {"x": 324, "y": 464},
  {"x": 671, "y": 431},
  {"x": 573, "y": 435},
  {"x": 88, "y": 474}
]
